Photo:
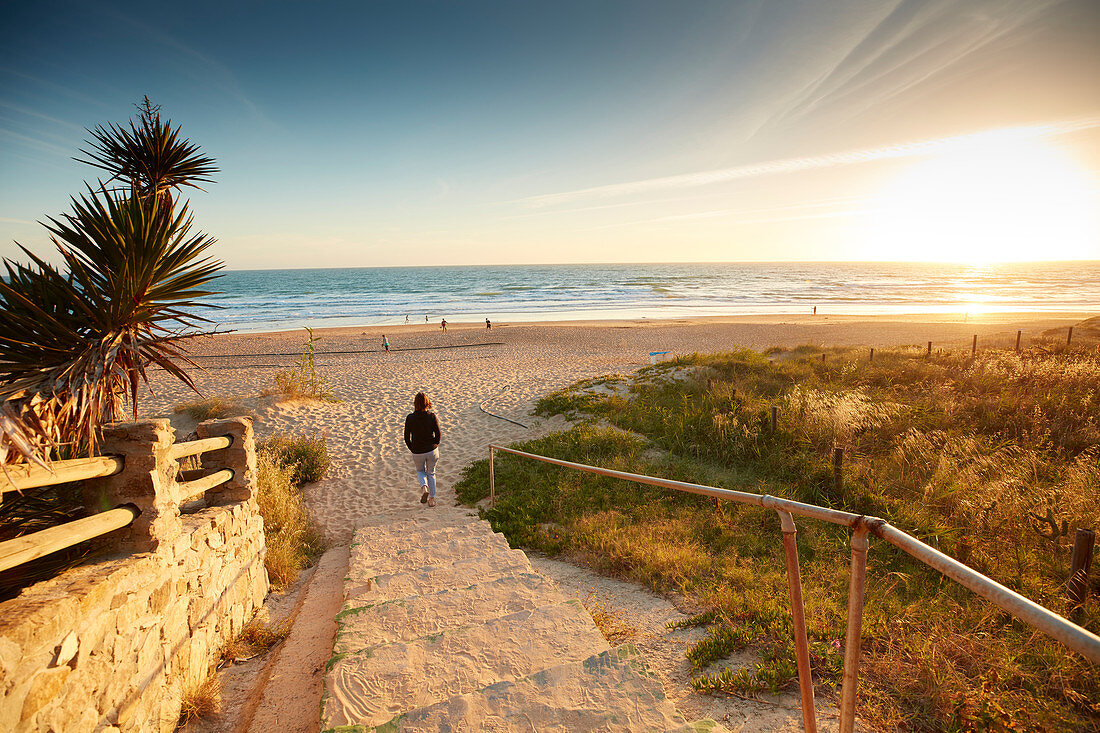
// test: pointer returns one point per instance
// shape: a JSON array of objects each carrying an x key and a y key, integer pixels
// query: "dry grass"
[
  {"x": 255, "y": 638},
  {"x": 202, "y": 700},
  {"x": 293, "y": 541},
  {"x": 210, "y": 408},
  {"x": 613, "y": 623}
]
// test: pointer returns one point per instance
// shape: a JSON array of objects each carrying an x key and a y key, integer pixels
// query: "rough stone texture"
[
  {"x": 414, "y": 557},
  {"x": 370, "y": 686},
  {"x": 610, "y": 691},
  {"x": 113, "y": 646},
  {"x": 411, "y": 618},
  {"x": 446, "y": 573}
]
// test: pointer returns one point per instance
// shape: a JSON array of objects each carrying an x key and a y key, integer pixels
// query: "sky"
[{"x": 366, "y": 134}]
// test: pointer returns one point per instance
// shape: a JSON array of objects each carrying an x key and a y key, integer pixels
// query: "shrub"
[
  {"x": 293, "y": 541},
  {"x": 306, "y": 455}
]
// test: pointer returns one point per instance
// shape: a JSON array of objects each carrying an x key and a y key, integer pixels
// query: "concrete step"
[
  {"x": 370, "y": 543},
  {"x": 369, "y": 547},
  {"x": 703, "y": 725},
  {"x": 371, "y": 686},
  {"x": 417, "y": 616},
  {"x": 610, "y": 691},
  {"x": 444, "y": 574},
  {"x": 421, "y": 556}
]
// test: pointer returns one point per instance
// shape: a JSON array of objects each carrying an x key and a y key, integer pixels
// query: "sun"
[{"x": 988, "y": 200}]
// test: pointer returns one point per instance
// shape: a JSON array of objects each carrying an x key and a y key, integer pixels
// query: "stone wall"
[{"x": 115, "y": 645}]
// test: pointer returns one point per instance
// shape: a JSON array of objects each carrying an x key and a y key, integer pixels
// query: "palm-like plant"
[
  {"x": 150, "y": 157},
  {"x": 75, "y": 342}
]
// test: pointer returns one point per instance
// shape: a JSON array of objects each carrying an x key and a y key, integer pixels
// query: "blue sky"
[{"x": 403, "y": 133}]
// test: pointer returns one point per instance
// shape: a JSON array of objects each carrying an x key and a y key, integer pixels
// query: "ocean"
[{"x": 265, "y": 300}]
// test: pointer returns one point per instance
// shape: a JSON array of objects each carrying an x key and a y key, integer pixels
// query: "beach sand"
[{"x": 470, "y": 371}]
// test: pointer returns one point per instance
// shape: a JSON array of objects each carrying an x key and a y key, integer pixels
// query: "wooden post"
[
  {"x": 822, "y": 357},
  {"x": 775, "y": 410},
  {"x": 1083, "y": 543},
  {"x": 974, "y": 347},
  {"x": 872, "y": 359},
  {"x": 1018, "y": 335},
  {"x": 929, "y": 353},
  {"x": 1069, "y": 336},
  {"x": 838, "y": 470}
]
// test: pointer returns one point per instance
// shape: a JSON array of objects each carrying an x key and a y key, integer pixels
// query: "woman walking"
[{"x": 422, "y": 438}]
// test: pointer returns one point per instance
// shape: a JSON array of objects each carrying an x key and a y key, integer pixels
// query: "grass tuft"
[
  {"x": 306, "y": 455},
  {"x": 202, "y": 700},
  {"x": 255, "y": 638},
  {"x": 293, "y": 540},
  {"x": 210, "y": 408}
]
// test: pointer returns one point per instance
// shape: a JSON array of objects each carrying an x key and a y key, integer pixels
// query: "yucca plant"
[
  {"x": 150, "y": 157},
  {"x": 76, "y": 341}
]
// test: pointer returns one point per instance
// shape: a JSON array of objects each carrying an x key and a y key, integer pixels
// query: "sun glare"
[{"x": 995, "y": 200}]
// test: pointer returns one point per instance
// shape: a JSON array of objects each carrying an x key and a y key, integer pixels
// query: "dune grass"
[
  {"x": 293, "y": 540},
  {"x": 991, "y": 459},
  {"x": 210, "y": 408},
  {"x": 306, "y": 455}
]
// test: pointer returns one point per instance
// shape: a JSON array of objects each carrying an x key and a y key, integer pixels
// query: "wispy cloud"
[
  {"x": 824, "y": 209},
  {"x": 793, "y": 165}
]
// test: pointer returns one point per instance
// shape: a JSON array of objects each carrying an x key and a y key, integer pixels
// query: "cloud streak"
[{"x": 918, "y": 148}]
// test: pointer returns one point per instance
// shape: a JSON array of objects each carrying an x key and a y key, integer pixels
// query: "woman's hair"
[{"x": 421, "y": 402}]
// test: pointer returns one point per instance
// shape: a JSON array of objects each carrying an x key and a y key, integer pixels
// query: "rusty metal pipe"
[
  {"x": 798, "y": 615},
  {"x": 741, "y": 497},
  {"x": 492, "y": 480},
  {"x": 1080, "y": 640},
  {"x": 857, "y": 583}
]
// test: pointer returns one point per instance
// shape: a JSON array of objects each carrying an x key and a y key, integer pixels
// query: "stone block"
[
  {"x": 147, "y": 481},
  {"x": 66, "y": 651},
  {"x": 44, "y": 687}
]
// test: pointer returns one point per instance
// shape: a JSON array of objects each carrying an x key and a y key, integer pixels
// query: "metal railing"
[
  {"x": 21, "y": 550},
  {"x": 1073, "y": 636}
]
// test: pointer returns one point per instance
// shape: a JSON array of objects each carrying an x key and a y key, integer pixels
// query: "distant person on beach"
[
  {"x": 425, "y": 318},
  {"x": 488, "y": 325},
  {"x": 422, "y": 439},
  {"x": 406, "y": 319},
  {"x": 385, "y": 343},
  {"x": 443, "y": 325},
  {"x": 815, "y": 310}
]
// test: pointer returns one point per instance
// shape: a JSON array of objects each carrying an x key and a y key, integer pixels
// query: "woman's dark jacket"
[{"x": 422, "y": 431}]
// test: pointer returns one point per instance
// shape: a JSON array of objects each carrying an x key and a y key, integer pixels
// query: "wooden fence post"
[
  {"x": 974, "y": 347},
  {"x": 872, "y": 359},
  {"x": 1080, "y": 565},
  {"x": 838, "y": 470},
  {"x": 1018, "y": 335},
  {"x": 929, "y": 353},
  {"x": 1069, "y": 336}
]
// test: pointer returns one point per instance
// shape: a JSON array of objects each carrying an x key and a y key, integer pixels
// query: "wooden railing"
[
  {"x": 139, "y": 478},
  {"x": 1073, "y": 636}
]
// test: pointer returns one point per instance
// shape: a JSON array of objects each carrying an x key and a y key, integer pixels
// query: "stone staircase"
[{"x": 451, "y": 630}]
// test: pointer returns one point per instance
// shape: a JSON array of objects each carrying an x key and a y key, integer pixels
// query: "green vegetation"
[
  {"x": 303, "y": 381},
  {"x": 993, "y": 459},
  {"x": 293, "y": 541},
  {"x": 306, "y": 455}
]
